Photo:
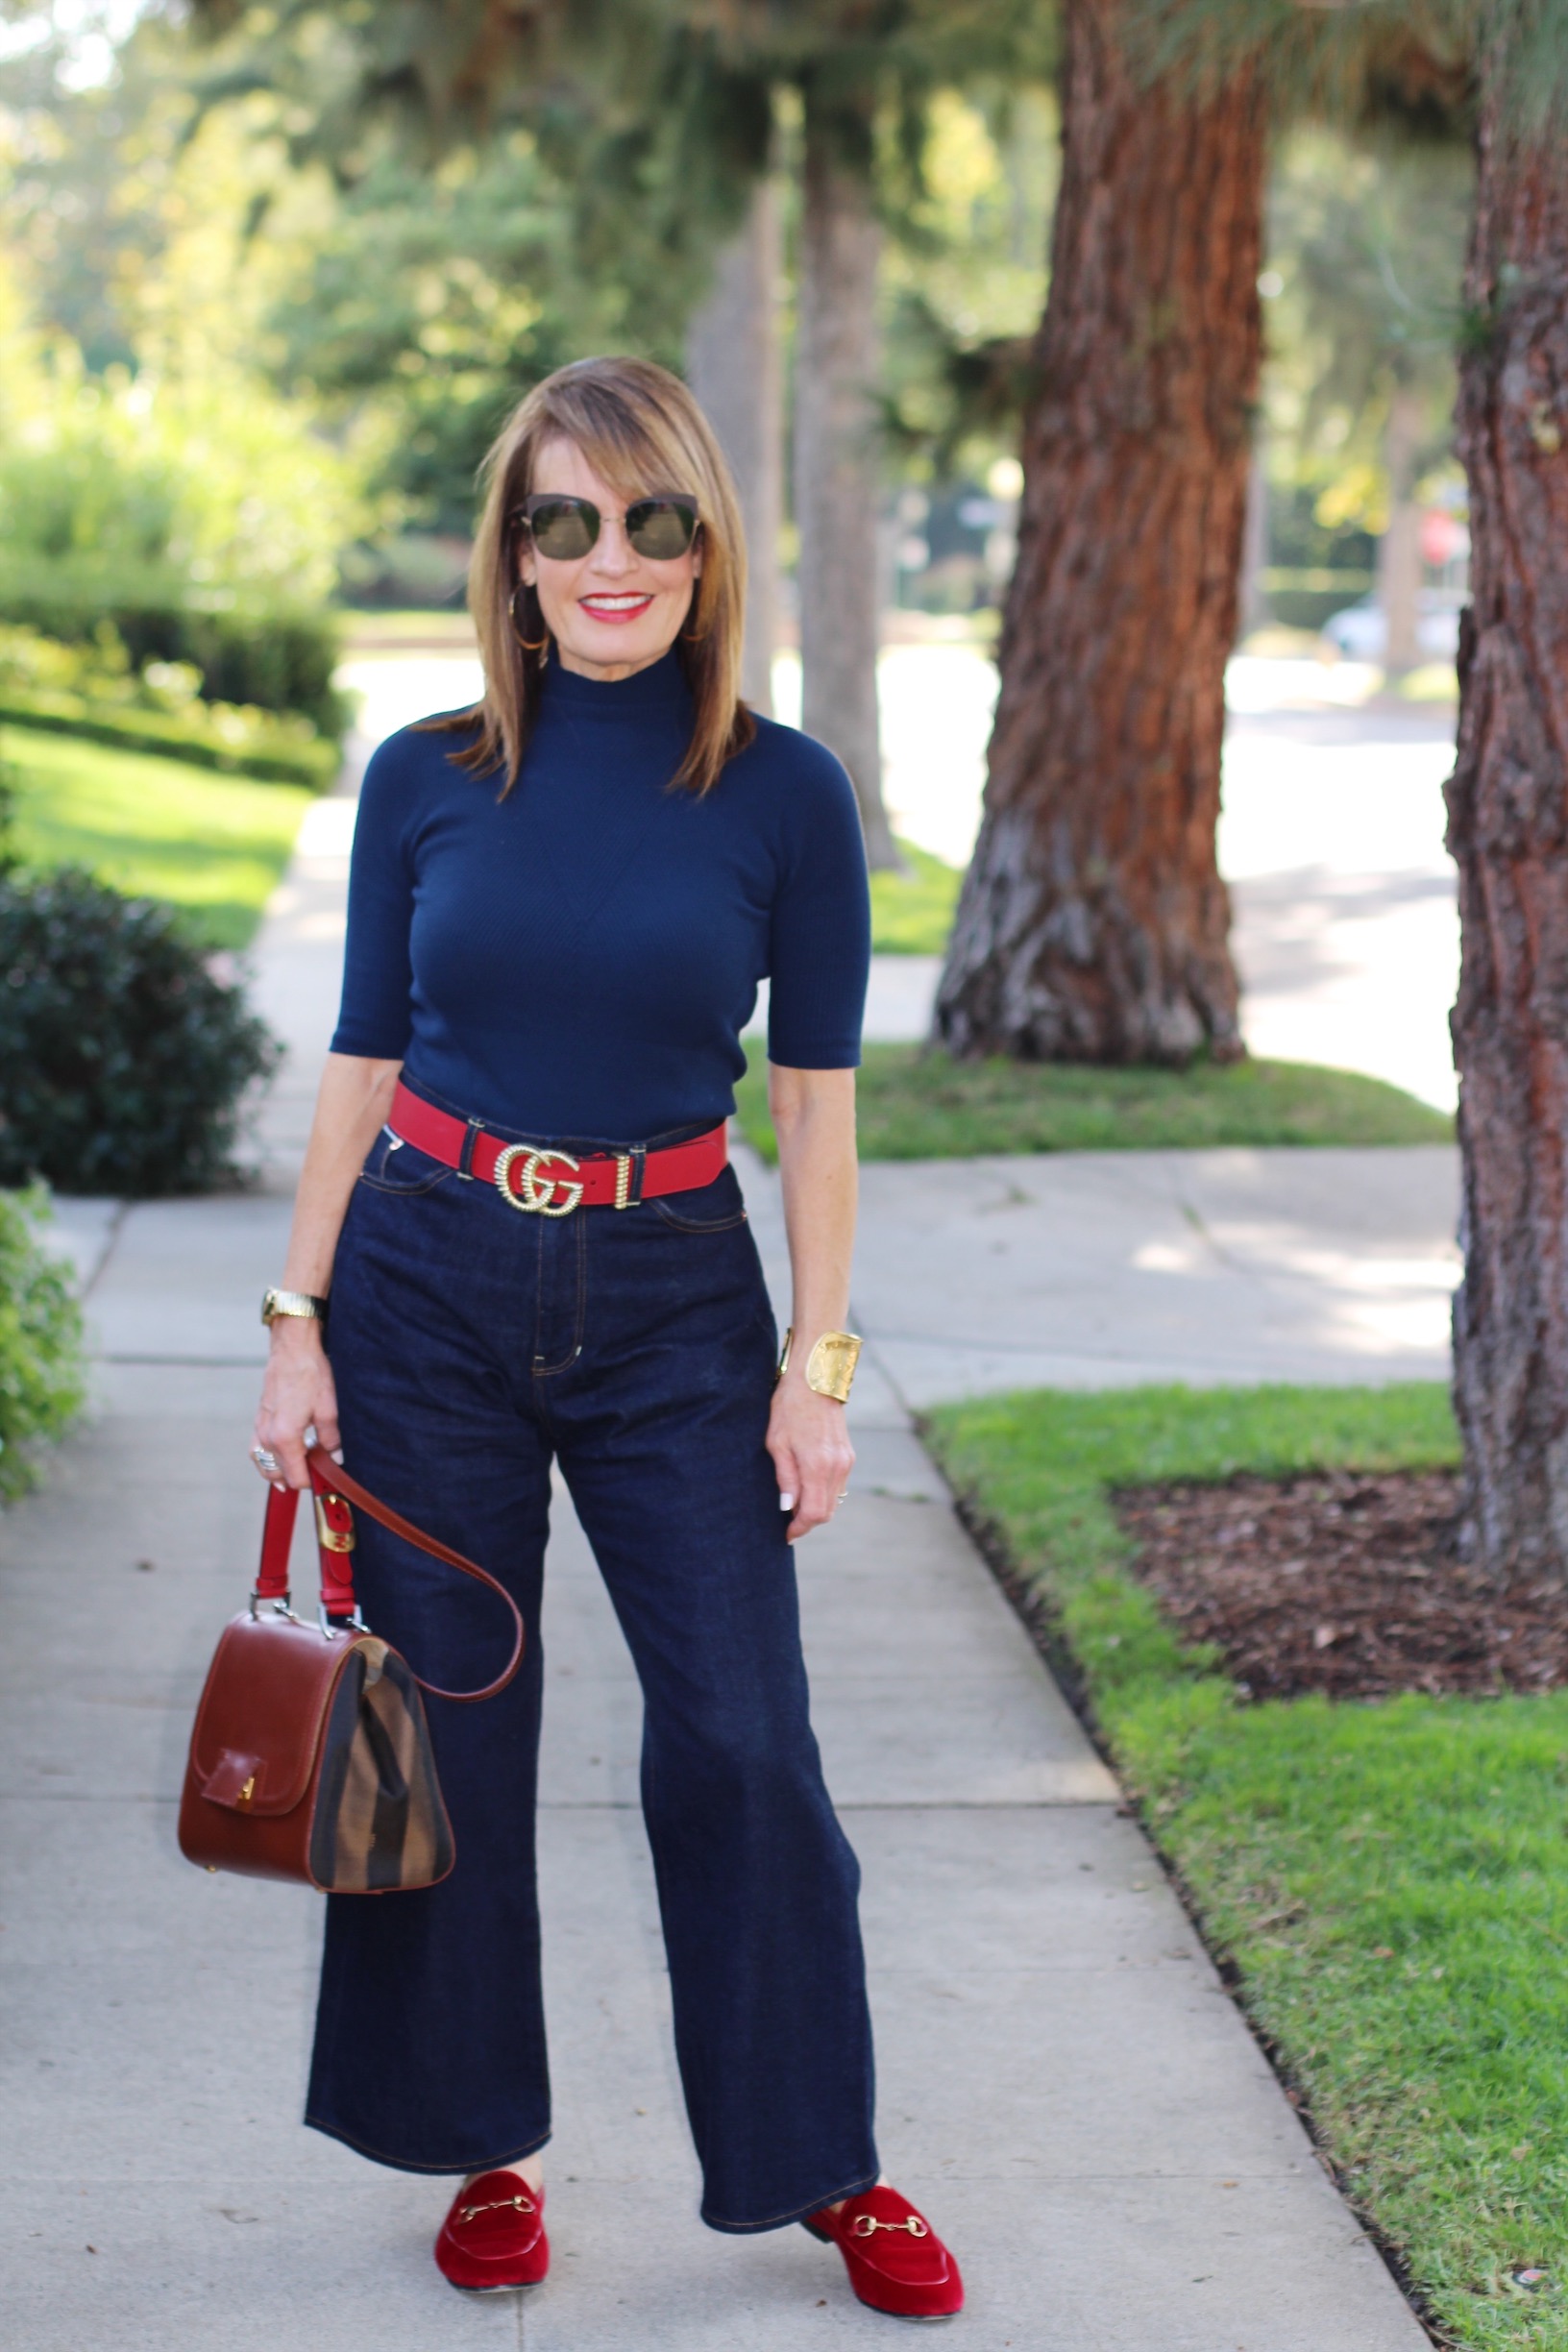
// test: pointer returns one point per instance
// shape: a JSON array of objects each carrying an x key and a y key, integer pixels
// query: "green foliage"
[
  {"x": 433, "y": 301},
  {"x": 505, "y": 203},
  {"x": 208, "y": 487},
  {"x": 1366, "y": 250},
  {"x": 247, "y": 658},
  {"x": 1385, "y": 1877},
  {"x": 915, "y": 1104},
  {"x": 963, "y": 274},
  {"x": 912, "y": 913},
  {"x": 150, "y": 475},
  {"x": 122, "y": 1060},
  {"x": 90, "y": 690},
  {"x": 41, "y": 1379},
  {"x": 214, "y": 848}
]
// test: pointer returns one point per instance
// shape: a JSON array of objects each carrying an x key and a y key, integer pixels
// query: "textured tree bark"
[
  {"x": 733, "y": 366},
  {"x": 1399, "y": 549},
  {"x": 837, "y": 466},
  {"x": 1093, "y": 926},
  {"x": 1507, "y": 803}
]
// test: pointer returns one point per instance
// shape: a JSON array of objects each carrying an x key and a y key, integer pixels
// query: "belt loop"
[
  {"x": 628, "y": 1177},
  {"x": 465, "y": 1158}
]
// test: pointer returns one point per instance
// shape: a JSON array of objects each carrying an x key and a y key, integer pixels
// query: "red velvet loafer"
[
  {"x": 493, "y": 2237},
  {"x": 895, "y": 2260}
]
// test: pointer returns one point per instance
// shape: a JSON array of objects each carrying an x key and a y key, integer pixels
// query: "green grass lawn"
[
  {"x": 1391, "y": 1878},
  {"x": 214, "y": 846},
  {"x": 919, "y": 1106},
  {"x": 913, "y": 912}
]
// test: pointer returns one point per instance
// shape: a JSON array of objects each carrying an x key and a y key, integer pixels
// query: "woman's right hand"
[{"x": 297, "y": 1394}]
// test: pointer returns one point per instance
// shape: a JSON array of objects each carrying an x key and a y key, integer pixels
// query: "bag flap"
[
  {"x": 233, "y": 1781},
  {"x": 260, "y": 1717}
]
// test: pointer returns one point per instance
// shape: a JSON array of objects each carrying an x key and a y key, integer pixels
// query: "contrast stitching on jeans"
[
  {"x": 579, "y": 1236},
  {"x": 697, "y": 1225},
  {"x": 404, "y": 2164},
  {"x": 415, "y": 1191},
  {"x": 795, "y": 2213}
]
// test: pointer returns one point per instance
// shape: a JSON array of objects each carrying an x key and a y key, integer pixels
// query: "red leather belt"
[{"x": 545, "y": 1183}]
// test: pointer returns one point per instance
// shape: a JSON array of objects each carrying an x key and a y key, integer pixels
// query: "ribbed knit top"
[{"x": 577, "y": 960}]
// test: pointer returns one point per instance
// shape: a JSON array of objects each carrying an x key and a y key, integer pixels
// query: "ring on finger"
[{"x": 265, "y": 1460}]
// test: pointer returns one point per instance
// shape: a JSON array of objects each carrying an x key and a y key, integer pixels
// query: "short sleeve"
[
  {"x": 821, "y": 934},
  {"x": 374, "y": 1017}
]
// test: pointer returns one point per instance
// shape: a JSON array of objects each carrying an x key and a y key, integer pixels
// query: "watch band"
[
  {"x": 830, "y": 1367},
  {"x": 300, "y": 1303}
]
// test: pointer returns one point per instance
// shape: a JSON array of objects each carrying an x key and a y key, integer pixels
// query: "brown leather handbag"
[{"x": 310, "y": 1755}]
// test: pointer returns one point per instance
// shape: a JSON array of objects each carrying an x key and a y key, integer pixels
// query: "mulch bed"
[{"x": 1340, "y": 1582}]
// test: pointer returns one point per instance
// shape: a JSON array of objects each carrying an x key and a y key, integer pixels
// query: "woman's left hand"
[{"x": 809, "y": 1443}]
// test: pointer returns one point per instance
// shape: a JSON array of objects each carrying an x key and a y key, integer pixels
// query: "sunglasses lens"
[
  {"x": 661, "y": 529},
  {"x": 563, "y": 528}
]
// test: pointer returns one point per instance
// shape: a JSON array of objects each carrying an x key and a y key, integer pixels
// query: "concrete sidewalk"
[{"x": 1064, "y": 2080}]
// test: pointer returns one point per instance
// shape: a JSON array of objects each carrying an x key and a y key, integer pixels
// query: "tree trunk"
[
  {"x": 1093, "y": 926},
  {"x": 733, "y": 366},
  {"x": 836, "y": 468},
  {"x": 1507, "y": 803},
  {"x": 1399, "y": 551}
]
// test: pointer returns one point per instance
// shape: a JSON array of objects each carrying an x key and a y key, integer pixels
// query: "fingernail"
[
  {"x": 786, "y": 1502},
  {"x": 337, "y": 1453}
]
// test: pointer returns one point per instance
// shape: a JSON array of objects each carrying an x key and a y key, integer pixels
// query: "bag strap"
[{"x": 333, "y": 1490}]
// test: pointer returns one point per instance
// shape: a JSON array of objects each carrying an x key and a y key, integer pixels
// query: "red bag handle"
[{"x": 333, "y": 1490}]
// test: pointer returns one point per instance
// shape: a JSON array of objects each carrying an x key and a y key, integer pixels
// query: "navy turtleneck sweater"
[{"x": 576, "y": 961}]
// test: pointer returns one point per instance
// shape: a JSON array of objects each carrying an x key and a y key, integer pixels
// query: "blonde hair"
[{"x": 642, "y": 431}]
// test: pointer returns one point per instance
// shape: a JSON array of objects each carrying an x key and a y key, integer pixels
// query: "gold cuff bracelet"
[{"x": 830, "y": 1367}]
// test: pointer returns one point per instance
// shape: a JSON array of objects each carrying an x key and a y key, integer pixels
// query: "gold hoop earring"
[{"x": 529, "y": 644}]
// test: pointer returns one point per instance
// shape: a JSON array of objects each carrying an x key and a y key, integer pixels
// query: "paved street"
[{"x": 1064, "y": 2080}]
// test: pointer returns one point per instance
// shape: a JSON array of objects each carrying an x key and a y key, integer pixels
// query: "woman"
[{"x": 516, "y": 1191}]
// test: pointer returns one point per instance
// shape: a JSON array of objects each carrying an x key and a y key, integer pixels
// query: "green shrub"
[
  {"x": 122, "y": 1060},
  {"x": 41, "y": 1340},
  {"x": 190, "y": 506},
  {"x": 91, "y": 690},
  {"x": 278, "y": 658}
]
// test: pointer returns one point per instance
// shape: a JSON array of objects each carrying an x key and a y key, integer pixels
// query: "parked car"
[{"x": 1361, "y": 631}]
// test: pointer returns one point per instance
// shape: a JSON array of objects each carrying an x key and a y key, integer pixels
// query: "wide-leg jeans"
[{"x": 471, "y": 1344}]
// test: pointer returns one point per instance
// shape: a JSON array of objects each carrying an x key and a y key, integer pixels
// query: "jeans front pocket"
[
  {"x": 712, "y": 1209},
  {"x": 392, "y": 1165}
]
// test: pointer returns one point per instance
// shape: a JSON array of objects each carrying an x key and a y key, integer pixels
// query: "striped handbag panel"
[{"x": 380, "y": 1820}]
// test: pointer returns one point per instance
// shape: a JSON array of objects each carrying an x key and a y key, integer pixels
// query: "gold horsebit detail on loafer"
[
  {"x": 866, "y": 2225},
  {"x": 470, "y": 2213}
]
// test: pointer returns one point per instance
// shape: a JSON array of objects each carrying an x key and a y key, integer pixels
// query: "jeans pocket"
[
  {"x": 392, "y": 1165},
  {"x": 712, "y": 1209}
]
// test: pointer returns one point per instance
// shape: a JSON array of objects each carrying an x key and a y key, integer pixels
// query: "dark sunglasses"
[{"x": 565, "y": 528}]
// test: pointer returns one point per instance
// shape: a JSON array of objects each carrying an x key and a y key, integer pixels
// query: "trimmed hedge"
[
  {"x": 41, "y": 1378},
  {"x": 122, "y": 1060},
  {"x": 279, "y": 660}
]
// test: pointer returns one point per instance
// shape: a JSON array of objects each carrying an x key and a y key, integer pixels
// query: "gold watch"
[
  {"x": 830, "y": 1367},
  {"x": 276, "y": 1303}
]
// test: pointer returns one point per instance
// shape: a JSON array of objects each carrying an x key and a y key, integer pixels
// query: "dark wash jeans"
[{"x": 472, "y": 1343}]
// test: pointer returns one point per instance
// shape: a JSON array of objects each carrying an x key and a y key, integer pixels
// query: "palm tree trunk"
[
  {"x": 1093, "y": 924},
  {"x": 1508, "y": 803},
  {"x": 733, "y": 366},
  {"x": 837, "y": 471}
]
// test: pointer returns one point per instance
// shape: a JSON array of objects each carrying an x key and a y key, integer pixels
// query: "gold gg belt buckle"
[{"x": 535, "y": 1193}]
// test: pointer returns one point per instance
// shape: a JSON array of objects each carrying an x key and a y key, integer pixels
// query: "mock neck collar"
[{"x": 660, "y": 691}]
